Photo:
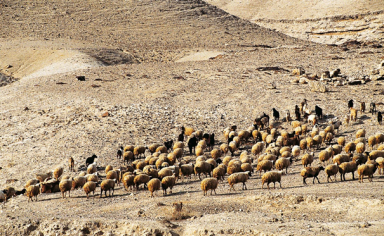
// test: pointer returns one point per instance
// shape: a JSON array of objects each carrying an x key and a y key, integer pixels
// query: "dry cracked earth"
[{"x": 155, "y": 66}]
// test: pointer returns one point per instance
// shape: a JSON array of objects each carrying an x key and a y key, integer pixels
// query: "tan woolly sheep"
[
  {"x": 232, "y": 147},
  {"x": 216, "y": 153},
  {"x": 317, "y": 140},
  {"x": 224, "y": 148},
  {"x": 360, "y": 133},
  {"x": 295, "y": 124},
  {"x": 89, "y": 187},
  {"x": 129, "y": 148},
  {"x": 152, "y": 148},
  {"x": 139, "y": 150},
  {"x": 128, "y": 181},
  {"x": 32, "y": 191},
  {"x": 310, "y": 143},
  {"x": 42, "y": 177},
  {"x": 164, "y": 172},
  {"x": 186, "y": 170},
  {"x": 379, "y": 138},
  {"x": 188, "y": 131},
  {"x": 283, "y": 163},
  {"x": 168, "y": 182},
  {"x": 244, "y": 135},
  {"x": 271, "y": 177},
  {"x": 107, "y": 185},
  {"x": 375, "y": 154},
  {"x": 348, "y": 167},
  {"x": 353, "y": 114},
  {"x": 265, "y": 165},
  {"x": 239, "y": 177},
  {"x": 78, "y": 182},
  {"x": 371, "y": 142},
  {"x": 337, "y": 149},
  {"x": 209, "y": 184},
  {"x": 219, "y": 172},
  {"x": 199, "y": 151},
  {"x": 350, "y": 147},
  {"x": 324, "y": 156},
  {"x": 303, "y": 144},
  {"x": 31, "y": 182},
  {"x": 380, "y": 162},
  {"x": 257, "y": 148},
  {"x": 341, "y": 141},
  {"x": 311, "y": 172},
  {"x": 128, "y": 156},
  {"x": 161, "y": 149},
  {"x": 342, "y": 158},
  {"x": 203, "y": 167},
  {"x": 234, "y": 166},
  {"x": 154, "y": 185},
  {"x": 307, "y": 159},
  {"x": 360, "y": 147},
  {"x": 141, "y": 179},
  {"x": 92, "y": 168},
  {"x": 331, "y": 170},
  {"x": 328, "y": 138},
  {"x": 65, "y": 186},
  {"x": 71, "y": 164},
  {"x": 368, "y": 170},
  {"x": 178, "y": 145}
]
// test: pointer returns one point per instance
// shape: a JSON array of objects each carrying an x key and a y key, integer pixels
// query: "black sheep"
[
  {"x": 21, "y": 192},
  {"x": 350, "y": 104},
  {"x": 219, "y": 161},
  {"x": 90, "y": 160},
  {"x": 180, "y": 138},
  {"x": 120, "y": 152},
  {"x": 372, "y": 108},
  {"x": 319, "y": 112},
  {"x": 379, "y": 117},
  {"x": 276, "y": 114},
  {"x": 192, "y": 143},
  {"x": 230, "y": 139}
]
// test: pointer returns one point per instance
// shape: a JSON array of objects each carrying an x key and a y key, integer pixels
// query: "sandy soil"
[{"x": 47, "y": 119}]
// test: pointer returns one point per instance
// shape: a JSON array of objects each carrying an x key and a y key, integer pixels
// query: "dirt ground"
[{"x": 131, "y": 72}]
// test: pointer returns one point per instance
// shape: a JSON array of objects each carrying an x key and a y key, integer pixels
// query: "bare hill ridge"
[{"x": 322, "y": 21}]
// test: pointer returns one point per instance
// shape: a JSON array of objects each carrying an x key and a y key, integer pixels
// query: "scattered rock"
[
  {"x": 298, "y": 71},
  {"x": 105, "y": 114}
]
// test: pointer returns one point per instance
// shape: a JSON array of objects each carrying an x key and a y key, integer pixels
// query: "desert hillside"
[
  {"x": 322, "y": 21},
  {"x": 151, "y": 67}
]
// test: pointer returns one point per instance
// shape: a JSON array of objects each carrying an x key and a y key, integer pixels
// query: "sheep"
[
  {"x": 295, "y": 124},
  {"x": 107, "y": 185},
  {"x": 219, "y": 172},
  {"x": 353, "y": 114},
  {"x": 342, "y": 158},
  {"x": 42, "y": 177},
  {"x": 33, "y": 191},
  {"x": 90, "y": 160},
  {"x": 311, "y": 172},
  {"x": 329, "y": 137},
  {"x": 234, "y": 166},
  {"x": 276, "y": 114},
  {"x": 372, "y": 108},
  {"x": 295, "y": 151},
  {"x": 244, "y": 135},
  {"x": 271, "y": 177},
  {"x": 307, "y": 159},
  {"x": 375, "y": 154},
  {"x": 232, "y": 147},
  {"x": 152, "y": 148},
  {"x": 350, "y": 147},
  {"x": 175, "y": 170},
  {"x": 128, "y": 156},
  {"x": 188, "y": 131},
  {"x": 50, "y": 186},
  {"x": 71, "y": 164},
  {"x": 348, "y": 167},
  {"x": 239, "y": 177},
  {"x": 161, "y": 149},
  {"x": 209, "y": 184},
  {"x": 141, "y": 179},
  {"x": 199, "y": 151},
  {"x": 380, "y": 162},
  {"x": 212, "y": 162},
  {"x": 337, "y": 149},
  {"x": 164, "y": 172},
  {"x": 257, "y": 148},
  {"x": 371, "y": 141},
  {"x": 324, "y": 156},
  {"x": 265, "y": 165},
  {"x": 360, "y": 133},
  {"x": 128, "y": 181},
  {"x": 129, "y": 148},
  {"x": 78, "y": 182},
  {"x": 362, "y": 157},
  {"x": 303, "y": 144},
  {"x": 283, "y": 163},
  {"x": 317, "y": 140},
  {"x": 89, "y": 187},
  {"x": 112, "y": 174},
  {"x": 151, "y": 171},
  {"x": 366, "y": 169},
  {"x": 216, "y": 153},
  {"x": 330, "y": 170},
  {"x": 246, "y": 167},
  {"x": 186, "y": 169},
  {"x": 310, "y": 143},
  {"x": 154, "y": 185},
  {"x": 200, "y": 158},
  {"x": 203, "y": 167},
  {"x": 379, "y": 138},
  {"x": 93, "y": 177},
  {"x": 139, "y": 150},
  {"x": 319, "y": 112},
  {"x": 312, "y": 119},
  {"x": 341, "y": 141},
  {"x": 168, "y": 182},
  {"x": 31, "y": 182},
  {"x": 192, "y": 143},
  {"x": 379, "y": 118},
  {"x": 108, "y": 168},
  {"x": 92, "y": 168},
  {"x": 329, "y": 129},
  {"x": 65, "y": 186}
]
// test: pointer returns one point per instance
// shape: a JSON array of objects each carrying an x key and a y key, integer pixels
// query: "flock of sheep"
[{"x": 159, "y": 166}]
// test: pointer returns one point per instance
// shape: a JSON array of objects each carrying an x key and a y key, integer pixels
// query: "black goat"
[
  {"x": 90, "y": 160},
  {"x": 319, "y": 112},
  {"x": 168, "y": 144},
  {"x": 350, "y": 104},
  {"x": 120, "y": 152},
  {"x": 211, "y": 140},
  {"x": 297, "y": 113},
  {"x": 180, "y": 138},
  {"x": 372, "y": 108},
  {"x": 192, "y": 143},
  {"x": 276, "y": 114},
  {"x": 21, "y": 192},
  {"x": 379, "y": 117}
]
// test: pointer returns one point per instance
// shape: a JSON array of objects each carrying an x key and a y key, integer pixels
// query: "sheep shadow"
[
  {"x": 364, "y": 117},
  {"x": 231, "y": 193}
]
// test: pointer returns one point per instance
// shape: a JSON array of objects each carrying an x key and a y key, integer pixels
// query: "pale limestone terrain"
[{"x": 128, "y": 52}]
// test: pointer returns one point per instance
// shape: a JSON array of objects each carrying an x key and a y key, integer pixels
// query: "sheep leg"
[
  {"x": 317, "y": 179},
  {"x": 214, "y": 191},
  {"x": 280, "y": 184},
  {"x": 244, "y": 186},
  {"x": 304, "y": 181},
  {"x": 353, "y": 176},
  {"x": 62, "y": 194},
  {"x": 69, "y": 193},
  {"x": 101, "y": 193}
]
